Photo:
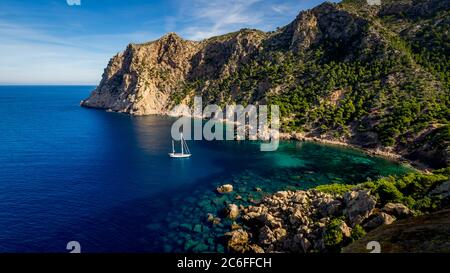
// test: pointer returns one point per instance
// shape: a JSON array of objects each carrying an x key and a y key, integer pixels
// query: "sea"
[{"x": 105, "y": 181}]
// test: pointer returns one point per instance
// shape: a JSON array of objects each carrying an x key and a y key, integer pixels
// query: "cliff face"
[
  {"x": 139, "y": 80},
  {"x": 375, "y": 76}
]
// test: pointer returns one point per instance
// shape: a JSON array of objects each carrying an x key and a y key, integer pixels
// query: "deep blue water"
[{"x": 104, "y": 179}]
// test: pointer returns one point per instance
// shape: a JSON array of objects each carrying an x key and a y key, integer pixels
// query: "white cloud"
[
  {"x": 281, "y": 8},
  {"x": 73, "y": 2},
  {"x": 213, "y": 17}
]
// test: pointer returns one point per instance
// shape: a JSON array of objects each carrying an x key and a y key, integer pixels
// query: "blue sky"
[{"x": 52, "y": 42}]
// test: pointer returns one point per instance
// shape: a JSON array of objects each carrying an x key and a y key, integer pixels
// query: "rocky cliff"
[
  {"x": 374, "y": 76},
  {"x": 139, "y": 80}
]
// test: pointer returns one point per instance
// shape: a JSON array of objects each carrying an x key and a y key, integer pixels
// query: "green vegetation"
[
  {"x": 334, "y": 237},
  {"x": 412, "y": 190},
  {"x": 385, "y": 83},
  {"x": 357, "y": 233},
  {"x": 309, "y": 82},
  {"x": 335, "y": 188}
]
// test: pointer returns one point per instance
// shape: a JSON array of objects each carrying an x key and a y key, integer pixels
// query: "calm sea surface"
[{"x": 104, "y": 179}]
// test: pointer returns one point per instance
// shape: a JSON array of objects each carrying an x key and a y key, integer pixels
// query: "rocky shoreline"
[{"x": 315, "y": 221}]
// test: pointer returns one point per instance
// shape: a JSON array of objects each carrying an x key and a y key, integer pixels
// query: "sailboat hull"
[{"x": 179, "y": 155}]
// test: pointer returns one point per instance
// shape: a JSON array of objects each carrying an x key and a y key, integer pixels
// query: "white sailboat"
[{"x": 184, "y": 149}]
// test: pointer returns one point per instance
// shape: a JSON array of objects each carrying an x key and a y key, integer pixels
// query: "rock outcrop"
[
  {"x": 315, "y": 221},
  {"x": 139, "y": 81},
  {"x": 423, "y": 234},
  {"x": 297, "y": 221},
  {"x": 145, "y": 78},
  {"x": 359, "y": 206},
  {"x": 226, "y": 188}
]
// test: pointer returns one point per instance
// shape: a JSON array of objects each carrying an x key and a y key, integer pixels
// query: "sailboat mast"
[
  {"x": 181, "y": 142},
  {"x": 173, "y": 147}
]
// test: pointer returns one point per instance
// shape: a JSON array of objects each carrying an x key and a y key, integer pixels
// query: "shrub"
[
  {"x": 333, "y": 236},
  {"x": 426, "y": 204},
  {"x": 335, "y": 188},
  {"x": 386, "y": 192},
  {"x": 357, "y": 233}
]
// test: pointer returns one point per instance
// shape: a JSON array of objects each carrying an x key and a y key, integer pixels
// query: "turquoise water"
[{"x": 104, "y": 179}]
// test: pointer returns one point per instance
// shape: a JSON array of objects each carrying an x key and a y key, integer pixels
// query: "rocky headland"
[{"x": 367, "y": 76}]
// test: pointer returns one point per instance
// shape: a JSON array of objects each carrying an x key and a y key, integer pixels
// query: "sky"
[{"x": 71, "y": 41}]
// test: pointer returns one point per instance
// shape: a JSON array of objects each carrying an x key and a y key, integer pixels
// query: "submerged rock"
[
  {"x": 185, "y": 227},
  {"x": 210, "y": 217},
  {"x": 197, "y": 228},
  {"x": 232, "y": 211},
  {"x": 235, "y": 226}
]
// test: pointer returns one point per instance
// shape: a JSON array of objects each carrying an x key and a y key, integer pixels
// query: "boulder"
[
  {"x": 442, "y": 191},
  {"x": 300, "y": 197},
  {"x": 380, "y": 219},
  {"x": 235, "y": 226},
  {"x": 359, "y": 206},
  {"x": 279, "y": 233},
  {"x": 281, "y": 194},
  {"x": 238, "y": 240},
  {"x": 329, "y": 207},
  {"x": 227, "y": 188},
  {"x": 216, "y": 221},
  {"x": 210, "y": 217},
  {"x": 256, "y": 248},
  {"x": 268, "y": 236},
  {"x": 297, "y": 217},
  {"x": 232, "y": 211},
  {"x": 346, "y": 230},
  {"x": 305, "y": 244},
  {"x": 397, "y": 209},
  {"x": 269, "y": 220}
]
